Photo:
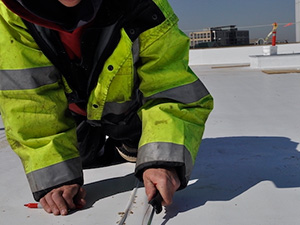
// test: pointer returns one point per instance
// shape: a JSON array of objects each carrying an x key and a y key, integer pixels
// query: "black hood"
[{"x": 68, "y": 18}]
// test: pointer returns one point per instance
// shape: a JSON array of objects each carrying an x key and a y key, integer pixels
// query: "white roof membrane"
[{"x": 247, "y": 170}]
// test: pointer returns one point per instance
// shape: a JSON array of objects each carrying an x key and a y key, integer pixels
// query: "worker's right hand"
[{"x": 60, "y": 200}]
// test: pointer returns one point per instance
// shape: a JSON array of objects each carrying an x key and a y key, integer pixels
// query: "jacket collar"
[{"x": 54, "y": 15}]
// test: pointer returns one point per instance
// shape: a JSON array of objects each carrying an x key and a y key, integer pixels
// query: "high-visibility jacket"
[{"x": 150, "y": 56}]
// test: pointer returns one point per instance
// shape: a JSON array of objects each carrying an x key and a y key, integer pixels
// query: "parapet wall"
[{"x": 234, "y": 55}]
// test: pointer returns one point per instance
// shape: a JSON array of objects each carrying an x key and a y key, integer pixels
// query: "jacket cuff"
[
  {"x": 44, "y": 180},
  {"x": 165, "y": 155},
  {"x": 40, "y": 194}
]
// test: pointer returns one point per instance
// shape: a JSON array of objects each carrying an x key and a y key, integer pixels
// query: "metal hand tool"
[{"x": 156, "y": 207}]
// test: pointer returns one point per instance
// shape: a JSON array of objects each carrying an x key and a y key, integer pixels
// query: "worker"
[{"x": 84, "y": 82}]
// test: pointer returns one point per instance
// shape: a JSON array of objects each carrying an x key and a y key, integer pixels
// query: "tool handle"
[{"x": 156, "y": 202}]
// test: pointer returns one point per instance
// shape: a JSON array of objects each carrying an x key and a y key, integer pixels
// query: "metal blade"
[
  {"x": 151, "y": 217},
  {"x": 156, "y": 207},
  {"x": 147, "y": 219}
]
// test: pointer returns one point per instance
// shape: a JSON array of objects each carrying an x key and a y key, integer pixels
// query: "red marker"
[
  {"x": 39, "y": 206},
  {"x": 33, "y": 205}
]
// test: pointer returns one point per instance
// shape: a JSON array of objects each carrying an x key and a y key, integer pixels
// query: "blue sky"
[{"x": 247, "y": 15}]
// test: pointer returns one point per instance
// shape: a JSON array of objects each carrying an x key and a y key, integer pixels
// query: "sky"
[{"x": 256, "y": 16}]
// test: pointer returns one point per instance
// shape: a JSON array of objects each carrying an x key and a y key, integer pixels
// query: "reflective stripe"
[
  {"x": 165, "y": 152},
  {"x": 116, "y": 108},
  {"x": 188, "y": 93},
  {"x": 54, "y": 175},
  {"x": 135, "y": 50},
  {"x": 27, "y": 78}
]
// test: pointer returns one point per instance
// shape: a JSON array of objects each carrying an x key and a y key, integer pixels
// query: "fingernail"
[{"x": 63, "y": 212}]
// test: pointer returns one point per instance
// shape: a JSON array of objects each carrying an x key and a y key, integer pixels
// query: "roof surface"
[{"x": 247, "y": 171}]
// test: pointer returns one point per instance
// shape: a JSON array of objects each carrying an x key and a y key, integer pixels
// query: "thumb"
[{"x": 150, "y": 189}]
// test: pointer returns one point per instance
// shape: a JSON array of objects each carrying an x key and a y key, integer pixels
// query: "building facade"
[
  {"x": 200, "y": 37},
  {"x": 219, "y": 36}
]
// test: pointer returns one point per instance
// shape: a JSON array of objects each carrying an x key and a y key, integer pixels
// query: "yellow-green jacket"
[{"x": 34, "y": 106}]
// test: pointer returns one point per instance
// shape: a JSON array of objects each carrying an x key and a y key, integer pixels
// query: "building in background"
[
  {"x": 297, "y": 13},
  {"x": 219, "y": 36}
]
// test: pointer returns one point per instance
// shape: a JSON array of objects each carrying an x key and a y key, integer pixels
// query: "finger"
[
  {"x": 166, "y": 191},
  {"x": 60, "y": 203},
  {"x": 169, "y": 186},
  {"x": 167, "y": 183},
  {"x": 69, "y": 192},
  {"x": 150, "y": 188},
  {"x": 45, "y": 205},
  {"x": 52, "y": 205},
  {"x": 164, "y": 188}
]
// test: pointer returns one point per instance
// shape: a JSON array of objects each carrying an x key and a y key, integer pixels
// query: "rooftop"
[{"x": 247, "y": 171}]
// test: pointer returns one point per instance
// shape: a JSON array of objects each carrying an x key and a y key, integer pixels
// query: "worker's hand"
[
  {"x": 61, "y": 199},
  {"x": 166, "y": 181}
]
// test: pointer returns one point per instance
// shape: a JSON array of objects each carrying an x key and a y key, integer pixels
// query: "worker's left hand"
[
  {"x": 60, "y": 199},
  {"x": 166, "y": 181}
]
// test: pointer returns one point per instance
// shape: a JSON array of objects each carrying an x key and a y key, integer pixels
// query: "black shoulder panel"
[{"x": 141, "y": 16}]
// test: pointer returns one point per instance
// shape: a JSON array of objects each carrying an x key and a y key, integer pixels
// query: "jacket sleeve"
[
  {"x": 177, "y": 104},
  {"x": 33, "y": 107}
]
